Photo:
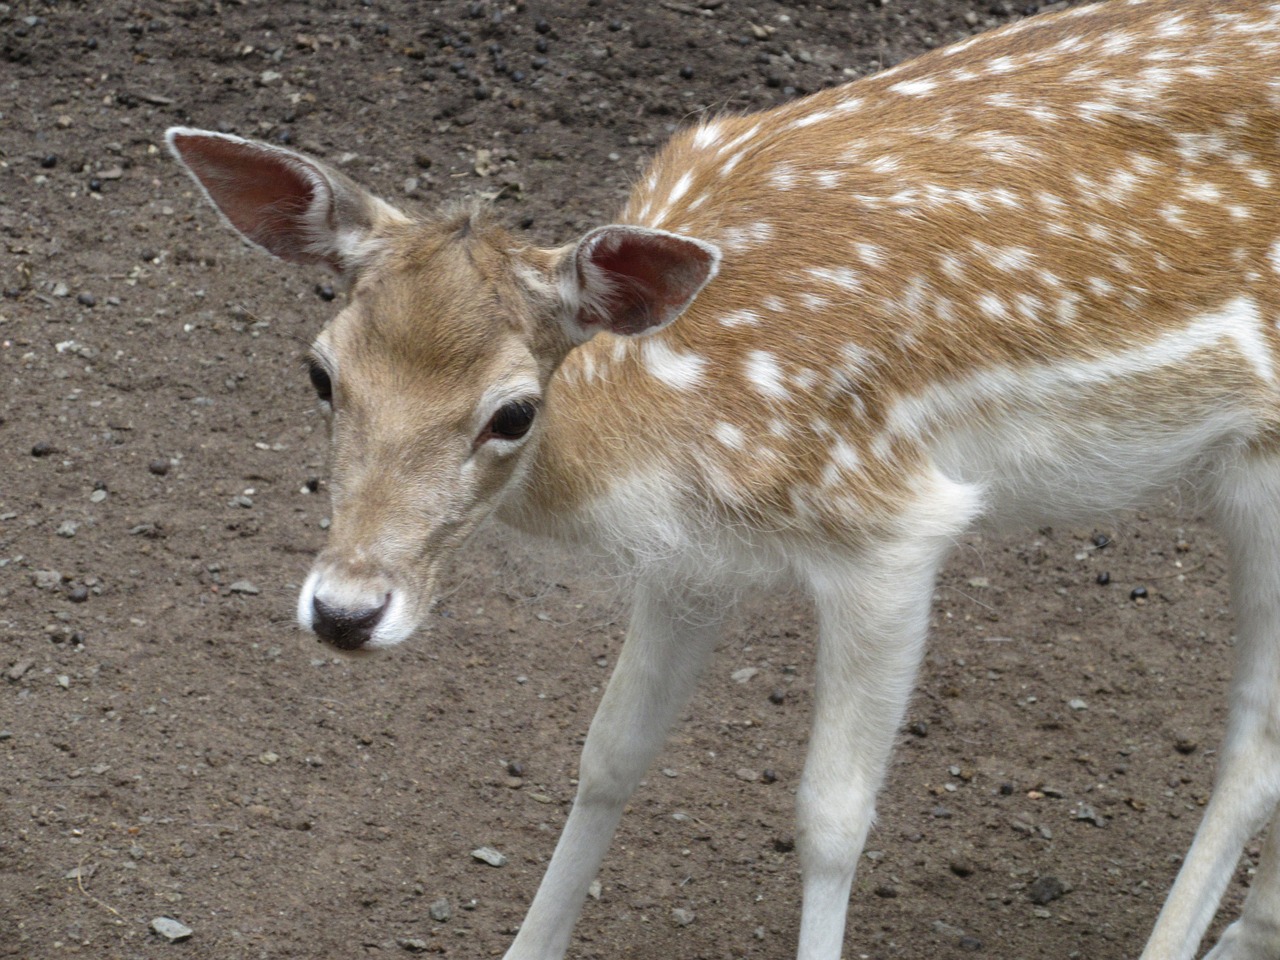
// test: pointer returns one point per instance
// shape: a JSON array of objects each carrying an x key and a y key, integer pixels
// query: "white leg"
[
  {"x": 665, "y": 651},
  {"x": 1256, "y": 935},
  {"x": 873, "y": 615},
  {"x": 1248, "y": 777}
]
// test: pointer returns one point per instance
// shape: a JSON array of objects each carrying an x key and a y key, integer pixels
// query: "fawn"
[{"x": 1030, "y": 278}]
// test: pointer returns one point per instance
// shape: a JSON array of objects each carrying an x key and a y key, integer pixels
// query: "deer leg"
[
  {"x": 873, "y": 616},
  {"x": 667, "y": 646},
  {"x": 1247, "y": 785}
]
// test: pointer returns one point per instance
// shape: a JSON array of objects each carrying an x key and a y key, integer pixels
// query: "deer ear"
[
  {"x": 291, "y": 206},
  {"x": 633, "y": 280}
]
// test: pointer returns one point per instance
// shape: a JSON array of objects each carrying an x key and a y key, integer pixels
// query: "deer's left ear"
[
  {"x": 290, "y": 205},
  {"x": 632, "y": 280}
]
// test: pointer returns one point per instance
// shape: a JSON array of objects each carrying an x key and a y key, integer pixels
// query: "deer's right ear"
[{"x": 291, "y": 206}]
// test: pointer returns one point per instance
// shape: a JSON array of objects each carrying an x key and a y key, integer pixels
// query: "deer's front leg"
[
  {"x": 873, "y": 615},
  {"x": 665, "y": 651}
]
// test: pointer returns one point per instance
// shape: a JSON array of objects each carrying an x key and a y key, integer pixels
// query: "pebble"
[
  {"x": 42, "y": 449},
  {"x": 596, "y": 890},
  {"x": 158, "y": 467},
  {"x": 47, "y": 579},
  {"x": 97, "y": 496},
  {"x": 1045, "y": 890},
  {"x": 87, "y": 300},
  {"x": 171, "y": 929},
  {"x": 78, "y": 594},
  {"x": 747, "y": 774},
  {"x": 1077, "y": 704},
  {"x": 962, "y": 868},
  {"x": 743, "y": 675},
  {"x": 245, "y": 587},
  {"x": 490, "y": 856},
  {"x": 19, "y": 669},
  {"x": 68, "y": 528},
  {"x": 412, "y": 944},
  {"x": 777, "y": 696},
  {"x": 1186, "y": 745},
  {"x": 441, "y": 910},
  {"x": 683, "y": 917},
  {"x": 1138, "y": 593}
]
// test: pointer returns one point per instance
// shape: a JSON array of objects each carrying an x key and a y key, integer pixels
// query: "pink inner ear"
[
  {"x": 265, "y": 195},
  {"x": 651, "y": 277}
]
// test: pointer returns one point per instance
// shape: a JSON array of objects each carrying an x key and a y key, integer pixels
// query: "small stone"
[
  {"x": 19, "y": 669},
  {"x": 1138, "y": 593},
  {"x": 596, "y": 890},
  {"x": 1045, "y": 890},
  {"x": 886, "y": 891},
  {"x": 245, "y": 587},
  {"x": 241, "y": 501},
  {"x": 490, "y": 856},
  {"x": 1186, "y": 745},
  {"x": 412, "y": 944},
  {"x": 777, "y": 696},
  {"x": 1103, "y": 578},
  {"x": 970, "y": 944},
  {"x": 42, "y": 449},
  {"x": 962, "y": 868},
  {"x": 747, "y": 774},
  {"x": 683, "y": 917},
  {"x": 269, "y": 758},
  {"x": 47, "y": 579},
  {"x": 515, "y": 768},
  {"x": 1077, "y": 704},
  {"x": 87, "y": 300},
  {"x": 67, "y": 529},
  {"x": 743, "y": 675},
  {"x": 171, "y": 929},
  {"x": 441, "y": 910},
  {"x": 1090, "y": 815},
  {"x": 769, "y": 776},
  {"x": 919, "y": 728},
  {"x": 325, "y": 291},
  {"x": 158, "y": 467},
  {"x": 78, "y": 594},
  {"x": 49, "y": 161},
  {"x": 64, "y": 681},
  {"x": 97, "y": 496}
]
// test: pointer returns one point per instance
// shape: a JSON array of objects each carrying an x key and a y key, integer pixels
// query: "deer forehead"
[{"x": 442, "y": 313}]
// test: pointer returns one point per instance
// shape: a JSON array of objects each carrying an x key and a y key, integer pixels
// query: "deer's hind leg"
[{"x": 1247, "y": 783}]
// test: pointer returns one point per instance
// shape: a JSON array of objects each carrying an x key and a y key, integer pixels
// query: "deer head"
[{"x": 437, "y": 374}]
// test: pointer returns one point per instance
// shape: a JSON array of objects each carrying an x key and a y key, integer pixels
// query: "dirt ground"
[{"x": 170, "y": 744}]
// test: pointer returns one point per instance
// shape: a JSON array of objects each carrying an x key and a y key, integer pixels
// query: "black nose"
[{"x": 346, "y": 629}]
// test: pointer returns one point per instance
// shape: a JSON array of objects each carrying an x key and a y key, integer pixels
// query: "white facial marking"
[{"x": 680, "y": 371}]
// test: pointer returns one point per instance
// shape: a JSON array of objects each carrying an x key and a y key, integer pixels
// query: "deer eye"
[
  {"x": 512, "y": 421},
  {"x": 320, "y": 380}
]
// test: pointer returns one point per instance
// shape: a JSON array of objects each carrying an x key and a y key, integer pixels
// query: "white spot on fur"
[
  {"x": 842, "y": 277},
  {"x": 765, "y": 374},
  {"x": 810, "y": 119},
  {"x": 740, "y": 318},
  {"x": 773, "y": 304},
  {"x": 783, "y": 176},
  {"x": 680, "y": 371},
  {"x": 729, "y": 435},
  {"x": 915, "y": 88},
  {"x": 708, "y": 135},
  {"x": 869, "y": 254}
]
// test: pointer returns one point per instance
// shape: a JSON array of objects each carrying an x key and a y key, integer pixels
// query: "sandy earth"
[{"x": 170, "y": 745}]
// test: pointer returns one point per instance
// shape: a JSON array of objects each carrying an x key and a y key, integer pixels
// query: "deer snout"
[
  {"x": 351, "y": 615},
  {"x": 346, "y": 629}
]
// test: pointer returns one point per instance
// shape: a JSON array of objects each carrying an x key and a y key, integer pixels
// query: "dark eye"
[
  {"x": 320, "y": 380},
  {"x": 513, "y": 420}
]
